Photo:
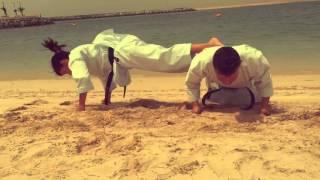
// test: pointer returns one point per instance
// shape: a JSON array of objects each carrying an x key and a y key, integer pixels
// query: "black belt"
[
  {"x": 244, "y": 94},
  {"x": 110, "y": 77}
]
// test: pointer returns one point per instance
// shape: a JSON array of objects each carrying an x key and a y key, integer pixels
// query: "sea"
[{"x": 287, "y": 34}]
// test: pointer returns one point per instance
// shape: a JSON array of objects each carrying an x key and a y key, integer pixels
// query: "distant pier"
[
  {"x": 25, "y": 21},
  {"x": 16, "y": 22},
  {"x": 116, "y": 14}
]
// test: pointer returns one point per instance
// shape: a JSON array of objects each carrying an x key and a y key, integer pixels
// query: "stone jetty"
[
  {"x": 116, "y": 14},
  {"x": 24, "y": 21}
]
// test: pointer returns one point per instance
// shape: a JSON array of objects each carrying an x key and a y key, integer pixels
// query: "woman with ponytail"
[
  {"x": 59, "y": 58},
  {"x": 110, "y": 57}
]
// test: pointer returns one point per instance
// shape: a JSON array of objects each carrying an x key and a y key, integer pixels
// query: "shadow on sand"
[
  {"x": 145, "y": 103},
  {"x": 242, "y": 116}
]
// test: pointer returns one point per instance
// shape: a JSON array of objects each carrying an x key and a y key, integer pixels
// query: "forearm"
[
  {"x": 265, "y": 89},
  {"x": 193, "y": 99},
  {"x": 82, "y": 101},
  {"x": 193, "y": 94},
  {"x": 107, "y": 98},
  {"x": 265, "y": 107},
  {"x": 265, "y": 101}
]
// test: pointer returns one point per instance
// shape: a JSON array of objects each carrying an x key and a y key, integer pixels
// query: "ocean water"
[{"x": 288, "y": 34}]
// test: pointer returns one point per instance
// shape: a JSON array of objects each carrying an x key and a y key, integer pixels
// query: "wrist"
[
  {"x": 196, "y": 108},
  {"x": 81, "y": 107},
  {"x": 265, "y": 101},
  {"x": 195, "y": 102}
]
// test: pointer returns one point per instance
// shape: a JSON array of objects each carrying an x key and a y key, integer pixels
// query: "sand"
[{"x": 148, "y": 136}]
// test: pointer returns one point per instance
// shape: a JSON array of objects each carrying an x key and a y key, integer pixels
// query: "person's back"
[
  {"x": 133, "y": 52},
  {"x": 95, "y": 58}
]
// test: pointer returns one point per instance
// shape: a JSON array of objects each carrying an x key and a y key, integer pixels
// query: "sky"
[{"x": 49, "y": 8}]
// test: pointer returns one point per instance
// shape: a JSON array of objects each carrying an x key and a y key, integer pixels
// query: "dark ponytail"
[{"x": 59, "y": 54}]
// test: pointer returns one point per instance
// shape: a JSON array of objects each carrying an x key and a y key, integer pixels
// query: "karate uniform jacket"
[
  {"x": 254, "y": 73},
  {"x": 131, "y": 52}
]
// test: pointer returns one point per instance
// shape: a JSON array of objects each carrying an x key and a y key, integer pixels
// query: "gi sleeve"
[
  {"x": 194, "y": 77},
  {"x": 262, "y": 79},
  {"x": 81, "y": 75}
]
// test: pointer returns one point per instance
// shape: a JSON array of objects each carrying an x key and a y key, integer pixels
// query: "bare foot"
[{"x": 213, "y": 41}]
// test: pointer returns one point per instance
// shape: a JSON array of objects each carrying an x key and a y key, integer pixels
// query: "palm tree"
[
  {"x": 21, "y": 9},
  {"x": 4, "y": 9},
  {"x": 15, "y": 9}
]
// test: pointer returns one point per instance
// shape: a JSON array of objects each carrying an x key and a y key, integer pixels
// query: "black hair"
[
  {"x": 226, "y": 61},
  {"x": 59, "y": 54}
]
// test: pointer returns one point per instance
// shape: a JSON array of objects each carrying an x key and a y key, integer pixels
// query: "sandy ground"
[{"x": 147, "y": 135}]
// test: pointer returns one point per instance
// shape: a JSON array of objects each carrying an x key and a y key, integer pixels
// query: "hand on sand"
[
  {"x": 196, "y": 107},
  {"x": 265, "y": 110}
]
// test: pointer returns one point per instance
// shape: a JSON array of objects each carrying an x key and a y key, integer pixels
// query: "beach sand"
[{"x": 147, "y": 135}]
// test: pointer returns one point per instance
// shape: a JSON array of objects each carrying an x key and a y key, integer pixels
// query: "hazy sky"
[{"x": 75, "y": 7}]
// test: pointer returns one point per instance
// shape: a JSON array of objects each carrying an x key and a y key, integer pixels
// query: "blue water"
[{"x": 288, "y": 34}]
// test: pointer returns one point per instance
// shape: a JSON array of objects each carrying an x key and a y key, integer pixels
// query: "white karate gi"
[
  {"x": 254, "y": 73},
  {"x": 132, "y": 52}
]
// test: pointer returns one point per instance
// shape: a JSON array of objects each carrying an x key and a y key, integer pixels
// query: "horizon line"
[{"x": 251, "y": 4}]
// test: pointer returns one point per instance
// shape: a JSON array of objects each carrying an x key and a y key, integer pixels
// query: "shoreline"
[
  {"x": 178, "y": 79},
  {"x": 140, "y": 74}
]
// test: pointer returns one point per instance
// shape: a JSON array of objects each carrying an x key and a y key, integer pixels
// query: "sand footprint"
[
  {"x": 185, "y": 169},
  {"x": 126, "y": 145},
  {"x": 302, "y": 115},
  {"x": 87, "y": 144},
  {"x": 276, "y": 108},
  {"x": 19, "y": 108},
  {"x": 130, "y": 166},
  {"x": 14, "y": 114},
  {"x": 36, "y": 102},
  {"x": 66, "y": 103},
  {"x": 39, "y": 150}
]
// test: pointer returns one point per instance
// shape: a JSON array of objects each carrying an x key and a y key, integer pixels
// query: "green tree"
[{"x": 4, "y": 9}]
